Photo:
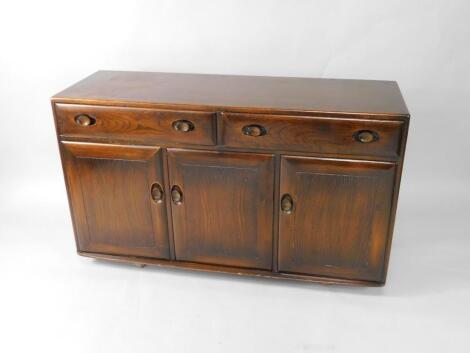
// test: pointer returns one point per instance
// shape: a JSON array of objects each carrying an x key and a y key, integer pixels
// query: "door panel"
[
  {"x": 111, "y": 189},
  {"x": 339, "y": 222},
  {"x": 226, "y": 211}
]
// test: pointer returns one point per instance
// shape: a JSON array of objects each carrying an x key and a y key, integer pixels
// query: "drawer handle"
[
  {"x": 157, "y": 192},
  {"x": 253, "y": 130},
  {"x": 183, "y": 125},
  {"x": 287, "y": 204},
  {"x": 176, "y": 195},
  {"x": 366, "y": 136},
  {"x": 85, "y": 120}
]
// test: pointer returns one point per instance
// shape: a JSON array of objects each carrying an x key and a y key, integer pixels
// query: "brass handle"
[
  {"x": 183, "y": 125},
  {"x": 287, "y": 204},
  {"x": 366, "y": 136},
  {"x": 85, "y": 120},
  {"x": 176, "y": 195},
  {"x": 157, "y": 192},
  {"x": 253, "y": 130}
]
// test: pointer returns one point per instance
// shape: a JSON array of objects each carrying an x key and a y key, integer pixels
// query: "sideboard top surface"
[{"x": 202, "y": 91}]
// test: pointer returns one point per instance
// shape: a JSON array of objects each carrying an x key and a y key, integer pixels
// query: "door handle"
[
  {"x": 176, "y": 195},
  {"x": 287, "y": 204},
  {"x": 156, "y": 191}
]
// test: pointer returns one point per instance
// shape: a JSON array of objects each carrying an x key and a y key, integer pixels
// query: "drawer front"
[
  {"x": 313, "y": 134},
  {"x": 136, "y": 124}
]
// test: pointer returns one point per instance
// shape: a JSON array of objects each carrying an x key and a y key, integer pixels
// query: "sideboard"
[{"x": 287, "y": 178}]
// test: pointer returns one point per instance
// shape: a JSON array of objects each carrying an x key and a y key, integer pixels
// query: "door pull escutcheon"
[
  {"x": 287, "y": 204},
  {"x": 157, "y": 192},
  {"x": 176, "y": 195}
]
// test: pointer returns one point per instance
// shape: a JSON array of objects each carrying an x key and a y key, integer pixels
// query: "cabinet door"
[
  {"x": 222, "y": 207},
  {"x": 334, "y": 217},
  {"x": 116, "y": 195}
]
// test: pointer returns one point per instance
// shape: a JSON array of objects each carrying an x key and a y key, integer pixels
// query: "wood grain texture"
[
  {"x": 136, "y": 125},
  {"x": 238, "y": 92},
  {"x": 210, "y": 196},
  {"x": 339, "y": 223},
  {"x": 225, "y": 217},
  {"x": 229, "y": 270},
  {"x": 110, "y": 191},
  {"x": 313, "y": 134}
]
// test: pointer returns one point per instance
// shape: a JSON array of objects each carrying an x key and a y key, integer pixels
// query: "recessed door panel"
[
  {"x": 117, "y": 197},
  {"x": 222, "y": 207},
  {"x": 338, "y": 220}
]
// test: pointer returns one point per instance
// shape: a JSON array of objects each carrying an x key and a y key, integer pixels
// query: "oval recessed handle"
[
  {"x": 156, "y": 191},
  {"x": 366, "y": 136},
  {"x": 253, "y": 130},
  {"x": 183, "y": 125},
  {"x": 85, "y": 120},
  {"x": 287, "y": 204},
  {"x": 176, "y": 195}
]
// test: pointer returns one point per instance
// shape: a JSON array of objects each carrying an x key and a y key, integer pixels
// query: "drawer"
[
  {"x": 313, "y": 134},
  {"x": 140, "y": 125}
]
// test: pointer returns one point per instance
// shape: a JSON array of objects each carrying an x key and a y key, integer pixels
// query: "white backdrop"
[{"x": 52, "y": 300}]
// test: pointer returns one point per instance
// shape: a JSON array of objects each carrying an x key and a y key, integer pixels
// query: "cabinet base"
[{"x": 143, "y": 261}]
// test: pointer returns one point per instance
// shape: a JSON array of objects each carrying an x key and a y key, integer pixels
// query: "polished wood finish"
[
  {"x": 110, "y": 190},
  {"x": 340, "y": 211},
  {"x": 322, "y": 135},
  {"x": 230, "y": 92},
  {"x": 286, "y": 178},
  {"x": 225, "y": 215},
  {"x": 140, "y": 261},
  {"x": 139, "y": 125}
]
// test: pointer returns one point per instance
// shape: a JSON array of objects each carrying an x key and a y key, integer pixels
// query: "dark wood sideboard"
[{"x": 288, "y": 178}]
